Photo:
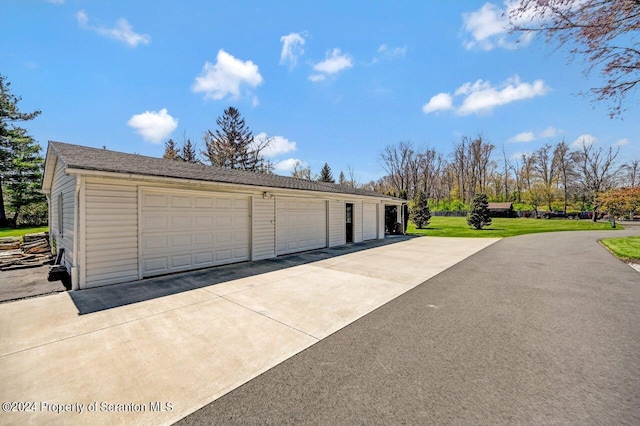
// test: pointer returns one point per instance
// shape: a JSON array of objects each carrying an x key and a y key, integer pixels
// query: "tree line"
[{"x": 554, "y": 177}]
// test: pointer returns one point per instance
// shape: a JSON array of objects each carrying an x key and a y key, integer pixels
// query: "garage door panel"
[
  {"x": 205, "y": 238},
  {"x": 203, "y": 258},
  {"x": 154, "y": 265},
  {"x": 192, "y": 230},
  {"x": 204, "y": 202},
  {"x": 155, "y": 242},
  {"x": 155, "y": 223},
  {"x": 301, "y": 225},
  {"x": 178, "y": 201},
  {"x": 203, "y": 221},
  {"x": 181, "y": 241},
  {"x": 224, "y": 238},
  {"x": 155, "y": 200},
  {"x": 223, "y": 255},
  {"x": 179, "y": 222},
  {"x": 180, "y": 260},
  {"x": 224, "y": 221},
  {"x": 224, "y": 203}
]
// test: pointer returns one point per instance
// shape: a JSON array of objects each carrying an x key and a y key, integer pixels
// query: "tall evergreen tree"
[
  {"x": 479, "y": 215},
  {"x": 232, "y": 145},
  {"x": 419, "y": 211},
  {"x": 20, "y": 159},
  {"x": 171, "y": 150},
  {"x": 189, "y": 153},
  {"x": 325, "y": 174},
  {"x": 342, "y": 180}
]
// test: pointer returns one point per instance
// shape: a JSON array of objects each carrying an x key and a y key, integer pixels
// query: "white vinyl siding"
[
  {"x": 301, "y": 225},
  {"x": 264, "y": 228},
  {"x": 62, "y": 229},
  {"x": 369, "y": 221},
  {"x": 111, "y": 235},
  {"x": 337, "y": 225},
  {"x": 357, "y": 221},
  {"x": 188, "y": 230}
]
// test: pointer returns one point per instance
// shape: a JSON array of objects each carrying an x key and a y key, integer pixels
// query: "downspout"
[{"x": 75, "y": 283}]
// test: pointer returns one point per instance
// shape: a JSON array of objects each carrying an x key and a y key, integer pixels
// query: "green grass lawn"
[
  {"x": 625, "y": 248},
  {"x": 500, "y": 227},
  {"x": 11, "y": 232}
]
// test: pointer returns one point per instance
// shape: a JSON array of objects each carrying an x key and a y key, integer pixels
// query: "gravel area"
[{"x": 23, "y": 283}]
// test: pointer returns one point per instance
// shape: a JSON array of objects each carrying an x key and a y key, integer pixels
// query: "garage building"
[{"x": 123, "y": 217}]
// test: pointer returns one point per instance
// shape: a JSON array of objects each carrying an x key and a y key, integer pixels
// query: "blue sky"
[{"x": 330, "y": 81}]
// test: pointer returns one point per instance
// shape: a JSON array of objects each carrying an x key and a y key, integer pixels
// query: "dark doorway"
[{"x": 349, "y": 221}]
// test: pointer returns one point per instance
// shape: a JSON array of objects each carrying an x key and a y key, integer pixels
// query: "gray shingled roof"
[{"x": 86, "y": 158}]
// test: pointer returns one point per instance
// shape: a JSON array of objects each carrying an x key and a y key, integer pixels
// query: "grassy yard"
[
  {"x": 625, "y": 248},
  {"x": 500, "y": 227},
  {"x": 11, "y": 232}
]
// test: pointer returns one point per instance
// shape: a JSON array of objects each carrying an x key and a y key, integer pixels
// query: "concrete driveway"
[
  {"x": 539, "y": 329},
  {"x": 155, "y": 351}
]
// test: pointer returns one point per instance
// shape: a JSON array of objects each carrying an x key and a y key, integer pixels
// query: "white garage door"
[
  {"x": 183, "y": 231},
  {"x": 370, "y": 221},
  {"x": 301, "y": 225}
]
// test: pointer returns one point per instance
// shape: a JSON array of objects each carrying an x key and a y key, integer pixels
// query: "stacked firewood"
[{"x": 29, "y": 251}]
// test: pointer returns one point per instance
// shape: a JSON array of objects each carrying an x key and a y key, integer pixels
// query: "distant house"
[
  {"x": 501, "y": 210},
  {"x": 123, "y": 217}
]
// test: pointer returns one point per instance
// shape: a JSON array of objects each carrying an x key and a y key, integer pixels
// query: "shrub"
[
  {"x": 419, "y": 211},
  {"x": 479, "y": 217}
]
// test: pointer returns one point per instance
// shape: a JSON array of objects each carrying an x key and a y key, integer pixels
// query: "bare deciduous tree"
[
  {"x": 395, "y": 161},
  {"x": 603, "y": 32},
  {"x": 596, "y": 169},
  {"x": 546, "y": 172},
  {"x": 565, "y": 167}
]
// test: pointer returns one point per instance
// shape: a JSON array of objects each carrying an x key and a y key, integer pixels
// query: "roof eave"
[{"x": 49, "y": 169}]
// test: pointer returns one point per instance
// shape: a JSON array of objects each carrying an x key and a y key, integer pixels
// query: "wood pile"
[{"x": 30, "y": 251}]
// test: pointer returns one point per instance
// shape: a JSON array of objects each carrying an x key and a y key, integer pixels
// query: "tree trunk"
[{"x": 3, "y": 216}]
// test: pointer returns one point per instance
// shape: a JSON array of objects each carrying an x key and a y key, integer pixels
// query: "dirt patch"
[{"x": 23, "y": 283}]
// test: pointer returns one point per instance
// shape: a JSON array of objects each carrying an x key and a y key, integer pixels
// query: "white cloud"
[
  {"x": 483, "y": 97},
  {"x": 335, "y": 62},
  {"x": 621, "y": 142},
  {"x": 56, "y": 2},
  {"x": 291, "y": 49},
  {"x": 226, "y": 76},
  {"x": 585, "y": 140},
  {"x": 389, "y": 53},
  {"x": 439, "y": 102},
  {"x": 123, "y": 31},
  {"x": 530, "y": 136},
  {"x": 153, "y": 126},
  {"x": 523, "y": 137},
  {"x": 287, "y": 166},
  {"x": 278, "y": 145},
  {"x": 488, "y": 27},
  {"x": 549, "y": 132}
]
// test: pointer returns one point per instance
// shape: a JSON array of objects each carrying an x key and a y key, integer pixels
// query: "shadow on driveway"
[{"x": 102, "y": 298}]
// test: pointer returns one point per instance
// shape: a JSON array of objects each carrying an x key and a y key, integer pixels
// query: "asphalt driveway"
[
  {"x": 155, "y": 351},
  {"x": 536, "y": 329},
  {"x": 29, "y": 282}
]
